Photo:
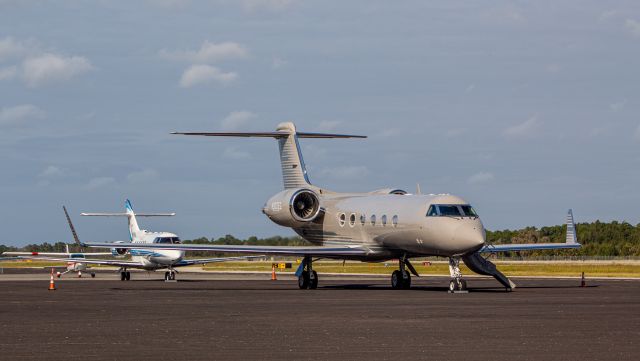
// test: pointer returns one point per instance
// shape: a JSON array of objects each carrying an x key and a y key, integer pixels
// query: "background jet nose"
[{"x": 470, "y": 235}]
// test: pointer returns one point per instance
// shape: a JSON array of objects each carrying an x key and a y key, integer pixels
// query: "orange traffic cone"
[
  {"x": 52, "y": 286},
  {"x": 273, "y": 273}
]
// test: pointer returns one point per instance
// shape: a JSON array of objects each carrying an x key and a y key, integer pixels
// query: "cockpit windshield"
[
  {"x": 451, "y": 210},
  {"x": 167, "y": 240}
]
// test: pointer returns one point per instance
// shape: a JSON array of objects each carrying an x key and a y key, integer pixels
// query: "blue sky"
[{"x": 523, "y": 108}]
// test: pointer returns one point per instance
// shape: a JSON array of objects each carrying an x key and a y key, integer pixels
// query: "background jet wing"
[
  {"x": 274, "y": 250},
  {"x": 58, "y": 254},
  {"x": 189, "y": 262},
  {"x": 571, "y": 241},
  {"x": 107, "y": 262}
]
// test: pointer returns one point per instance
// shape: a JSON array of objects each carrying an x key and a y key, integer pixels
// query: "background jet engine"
[
  {"x": 119, "y": 252},
  {"x": 293, "y": 207}
]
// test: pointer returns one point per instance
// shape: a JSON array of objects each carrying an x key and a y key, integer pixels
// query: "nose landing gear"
[
  {"x": 308, "y": 278},
  {"x": 125, "y": 275},
  {"x": 457, "y": 284},
  {"x": 170, "y": 276}
]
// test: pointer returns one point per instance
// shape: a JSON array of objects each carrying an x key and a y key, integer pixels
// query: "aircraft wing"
[
  {"x": 571, "y": 242},
  {"x": 57, "y": 254},
  {"x": 320, "y": 251},
  {"x": 107, "y": 262},
  {"x": 189, "y": 262}
]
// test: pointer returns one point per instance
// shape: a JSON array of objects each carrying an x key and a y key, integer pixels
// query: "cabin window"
[
  {"x": 373, "y": 220},
  {"x": 394, "y": 221},
  {"x": 352, "y": 220},
  {"x": 384, "y": 219},
  {"x": 432, "y": 212},
  {"x": 363, "y": 219},
  {"x": 342, "y": 219}
]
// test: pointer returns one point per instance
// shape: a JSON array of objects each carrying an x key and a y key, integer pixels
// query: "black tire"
[
  {"x": 123, "y": 276},
  {"x": 303, "y": 280},
  {"x": 453, "y": 285},
  {"x": 128, "y": 275},
  {"x": 172, "y": 275},
  {"x": 93, "y": 275},
  {"x": 396, "y": 280},
  {"x": 313, "y": 282},
  {"x": 406, "y": 281},
  {"x": 463, "y": 285},
  {"x": 166, "y": 276}
]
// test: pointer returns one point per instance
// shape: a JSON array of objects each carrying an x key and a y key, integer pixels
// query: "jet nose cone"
[{"x": 470, "y": 235}]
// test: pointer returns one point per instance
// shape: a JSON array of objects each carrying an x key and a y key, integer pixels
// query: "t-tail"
[
  {"x": 294, "y": 172},
  {"x": 134, "y": 229}
]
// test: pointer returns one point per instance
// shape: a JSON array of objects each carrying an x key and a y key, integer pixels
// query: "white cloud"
[
  {"x": 142, "y": 176},
  {"x": 10, "y": 48},
  {"x": 607, "y": 15},
  {"x": 481, "y": 177},
  {"x": 277, "y": 63},
  {"x": 99, "y": 182},
  {"x": 51, "y": 172},
  {"x": 237, "y": 119},
  {"x": 205, "y": 74},
  {"x": 271, "y": 5},
  {"x": 8, "y": 72},
  {"x": 48, "y": 68},
  {"x": 524, "y": 129},
  {"x": 618, "y": 105},
  {"x": 19, "y": 114},
  {"x": 346, "y": 172},
  {"x": 633, "y": 26},
  {"x": 328, "y": 125},
  {"x": 236, "y": 153},
  {"x": 470, "y": 88},
  {"x": 208, "y": 53}
]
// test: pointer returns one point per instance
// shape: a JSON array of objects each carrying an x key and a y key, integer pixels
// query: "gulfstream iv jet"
[{"x": 373, "y": 226}]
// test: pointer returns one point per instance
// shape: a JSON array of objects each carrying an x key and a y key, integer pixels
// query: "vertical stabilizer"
[
  {"x": 134, "y": 230},
  {"x": 294, "y": 172}
]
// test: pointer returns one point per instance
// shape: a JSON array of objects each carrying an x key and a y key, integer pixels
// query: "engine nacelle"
[
  {"x": 293, "y": 207},
  {"x": 119, "y": 252}
]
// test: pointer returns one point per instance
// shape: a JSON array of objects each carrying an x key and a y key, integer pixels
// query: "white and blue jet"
[{"x": 143, "y": 258}]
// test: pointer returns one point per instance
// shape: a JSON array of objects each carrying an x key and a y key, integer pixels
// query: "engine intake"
[{"x": 304, "y": 205}]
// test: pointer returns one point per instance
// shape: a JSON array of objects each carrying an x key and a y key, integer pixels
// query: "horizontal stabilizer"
[
  {"x": 120, "y": 214},
  {"x": 276, "y": 134}
]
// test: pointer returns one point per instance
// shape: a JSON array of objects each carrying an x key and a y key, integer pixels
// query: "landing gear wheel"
[
  {"x": 172, "y": 276},
  {"x": 166, "y": 276},
  {"x": 93, "y": 275},
  {"x": 406, "y": 280},
  {"x": 455, "y": 285},
  {"x": 396, "y": 280},
  {"x": 303, "y": 280},
  {"x": 127, "y": 275},
  {"x": 123, "y": 276},
  {"x": 313, "y": 281}
]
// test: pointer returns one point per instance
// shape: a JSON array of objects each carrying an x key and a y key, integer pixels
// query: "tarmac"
[{"x": 206, "y": 317}]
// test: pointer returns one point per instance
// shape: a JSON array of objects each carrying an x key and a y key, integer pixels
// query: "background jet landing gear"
[
  {"x": 308, "y": 278},
  {"x": 170, "y": 276},
  {"x": 125, "y": 275},
  {"x": 457, "y": 284},
  {"x": 401, "y": 279}
]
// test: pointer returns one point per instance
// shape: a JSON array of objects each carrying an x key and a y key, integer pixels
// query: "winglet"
[{"x": 572, "y": 234}]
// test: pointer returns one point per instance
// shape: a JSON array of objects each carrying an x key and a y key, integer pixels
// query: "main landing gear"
[
  {"x": 457, "y": 284},
  {"x": 125, "y": 275},
  {"x": 308, "y": 278},
  {"x": 170, "y": 276},
  {"x": 401, "y": 279}
]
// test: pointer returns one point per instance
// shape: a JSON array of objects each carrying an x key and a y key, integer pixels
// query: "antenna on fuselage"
[{"x": 418, "y": 191}]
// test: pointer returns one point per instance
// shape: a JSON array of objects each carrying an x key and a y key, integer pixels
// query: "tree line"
[{"x": 613, "y": 239}]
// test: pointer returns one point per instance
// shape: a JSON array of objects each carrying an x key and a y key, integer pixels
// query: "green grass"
[{"x": 591, "y": 269}]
